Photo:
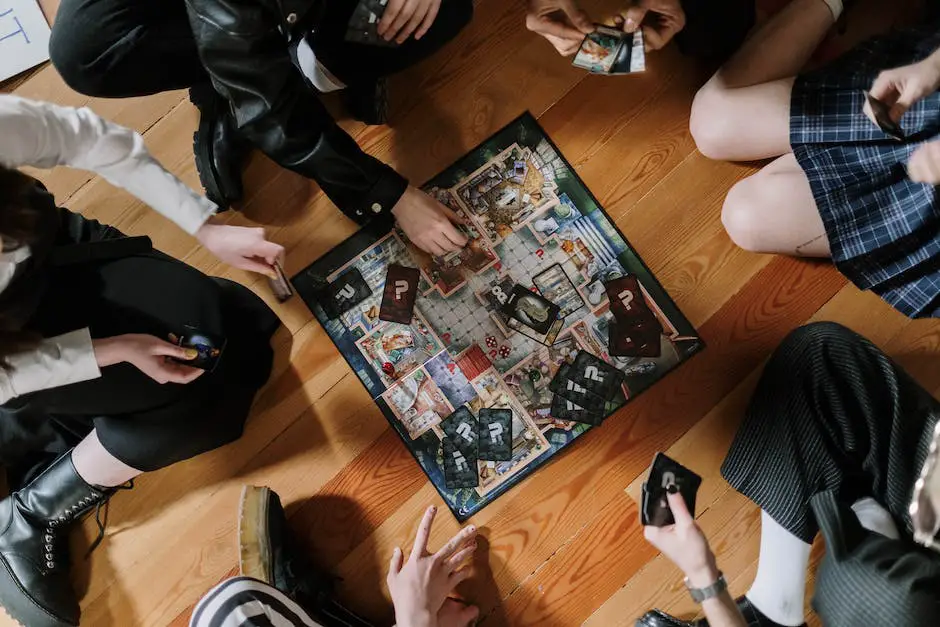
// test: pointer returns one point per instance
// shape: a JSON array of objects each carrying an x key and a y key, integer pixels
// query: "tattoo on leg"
[{"x": 799, "y": 249}]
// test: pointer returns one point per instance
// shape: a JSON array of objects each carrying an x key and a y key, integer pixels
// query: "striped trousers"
[
  {"x": 834, "y": 420},
  {"x": 247, "y": 602}
]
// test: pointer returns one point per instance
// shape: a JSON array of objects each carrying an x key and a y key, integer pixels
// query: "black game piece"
[{"x": 495, "y": 431}]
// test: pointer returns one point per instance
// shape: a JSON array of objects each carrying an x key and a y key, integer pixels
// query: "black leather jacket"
[{"x": 246, "y": 47}]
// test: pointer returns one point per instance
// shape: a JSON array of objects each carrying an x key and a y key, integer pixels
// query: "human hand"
[
  {"x": 924, "y": 165},
  {"x": 420, "y": 587},
  {"x": 659, "y": 19},
  {"x": 562, "y": 22},
  {"x": 404, "y": 17},
  {"x": 241, "y": 247},
  {"x": 902, "y": 87},
  {"x": 685, "y": 544},
  {"x": 149, "y": 354},
  {"x": 455, "y": 613},
  {"x": 428, "y": 223}
]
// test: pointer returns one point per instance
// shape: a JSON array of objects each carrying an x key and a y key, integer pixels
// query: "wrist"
[
  {"x": 108, "y": 351},
  {"x": 416, "y": 618},
  {"x": 704, "y": 576}
]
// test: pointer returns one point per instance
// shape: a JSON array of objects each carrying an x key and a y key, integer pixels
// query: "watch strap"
[{"x": 703, "y": 594}]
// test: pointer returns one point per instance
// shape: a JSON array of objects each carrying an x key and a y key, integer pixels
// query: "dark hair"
[{"x": 20, "y": 225}]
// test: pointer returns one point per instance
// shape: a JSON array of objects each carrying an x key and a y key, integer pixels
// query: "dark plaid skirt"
[{"x": 883, "y": 228}]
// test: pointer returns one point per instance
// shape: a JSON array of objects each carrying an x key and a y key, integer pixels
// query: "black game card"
[
  {"x": 461, "y": 428},
  {"x": 596, "y": 375},
  {"x": 401, "y": 290},
  {"x": 495, "y": 431},
  {"x": 564, "y": 409},
  {"x": 533, "y": 310},
  {"x": 348, "y": 290},
  {"x": 460, "y": 471},
  {"x": 208, "y": 346},
  {"x": 880, "y": 114},
  {"x": 364, "y": 24},
  {"x": 580, "y": 395},
  {"x": 666, "y": 472},
  {"x": 626, "y": 340},
  {"x": 280, "y": 285},
  {"x": 627, "y": 302}
]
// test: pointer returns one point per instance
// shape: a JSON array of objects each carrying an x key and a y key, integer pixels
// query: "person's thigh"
[
  {"x": 351, "y": 61},
  {"x": 774, "y": 211},
  {"x": 120, "y": 48},
  {"x": 742, "y": 123}
]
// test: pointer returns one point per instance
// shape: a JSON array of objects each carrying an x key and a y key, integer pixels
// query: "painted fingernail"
[
  {"x": 630, "y": 22},
  {"x": 191, "y": 353},
  {"x": 432, "y": 508},
  {"x": 672, "y": 489}
]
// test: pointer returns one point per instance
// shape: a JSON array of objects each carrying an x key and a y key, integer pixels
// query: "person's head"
[{"x": 19, "y": 219}]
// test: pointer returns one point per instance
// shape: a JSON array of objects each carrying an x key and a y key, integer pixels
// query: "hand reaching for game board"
[
  {"x": 427, "y": 223},
  {"x": 685, "y": 544},
  {"x": 402, "y": 18},
  {"x": 562, "y": 22},
  {"x": 659, "y": 19},
  {"x": 421, "y": 586}
]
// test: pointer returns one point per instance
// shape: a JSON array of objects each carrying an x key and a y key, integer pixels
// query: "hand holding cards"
[
  {"x": 666, "y": 475},
  {"x": 207, "y": 346},
  {"x": 611, "y": 51},
  {"x": 880, "y": 114}
]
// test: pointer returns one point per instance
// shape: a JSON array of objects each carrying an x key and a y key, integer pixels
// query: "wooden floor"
[{"x": 565, "y": 547}]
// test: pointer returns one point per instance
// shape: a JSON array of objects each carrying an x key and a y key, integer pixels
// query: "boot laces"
[{"x": 50, "y": 535}]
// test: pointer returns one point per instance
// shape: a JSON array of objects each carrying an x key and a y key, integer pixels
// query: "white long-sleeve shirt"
[{"x": 44, "y": 135}]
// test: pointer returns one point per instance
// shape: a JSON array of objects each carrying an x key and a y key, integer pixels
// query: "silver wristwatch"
[{"x": 703, "y": 594}]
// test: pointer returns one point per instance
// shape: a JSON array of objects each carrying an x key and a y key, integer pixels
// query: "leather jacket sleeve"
[{"x": 247, "y": 57}]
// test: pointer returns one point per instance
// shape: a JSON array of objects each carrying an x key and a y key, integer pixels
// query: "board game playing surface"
[{"x": 532, "y": 222}]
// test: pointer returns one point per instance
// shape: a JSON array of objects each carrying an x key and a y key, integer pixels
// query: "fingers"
[
  {"x": 424, "y": 532},
  {"x": 454, "y": 544},
  {"x": 454, "y": 237},
  {"x": 428, "y": 20},
  {"x": 551, "y": 28},
  {"x": 432, "y": 247},
  {"x": 924, "y": 166},
  {"x": 179, "y": 373},
  {"x": 392, "y": 12},
  {"x": 412, "y": 24},
  {"x": 579, "y": 18},
  {"x": 459, "y": 575},
  {"x": 458, "y": 558},
  {"x": 451, "y": 214},
  {"x": 395, "y": 564},
  {"x": 468, "y": 616},
  {"x": 565, "y": 47},
  {"x": 261, "y": 267},
  {"x": 165, "y": 349},
  {"x": 269, "y": 251},
  {"x": 633, "y": 17},
  {"x": 396, "y": 25},
  {"x": 679, "y": 509}
]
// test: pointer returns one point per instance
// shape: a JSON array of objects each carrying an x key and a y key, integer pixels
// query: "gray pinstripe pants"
[{"x": 833, "y": 420}]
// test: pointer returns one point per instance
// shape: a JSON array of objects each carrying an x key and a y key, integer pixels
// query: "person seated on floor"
[
  {"x": 278, "y": 586},
  {"x": 705, "y": 29},
  {"x": 839, "y": 187},
  {"x": 92, "y": 392},
  {"x": 833, "y": 441},
  {"x": 255, "y": 68}
]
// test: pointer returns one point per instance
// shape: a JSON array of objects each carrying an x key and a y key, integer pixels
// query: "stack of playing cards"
[
  {"x": 533, "y": 315},
  {"x": 364, "y": 23},
  {"x": 468, "y": 440},
  {"x": 666, "y": 475},
  {"x": 583, "y": 389},
  {"x": 635, "y": 330},
  {"x": 611, "y": 51}
]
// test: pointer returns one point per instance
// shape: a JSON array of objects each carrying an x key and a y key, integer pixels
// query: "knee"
[
  {"x": 741, "y": 216},
  {"x": 74, "y": 56},
  {"x": 711, "y": 124},
  {"x": 817, "y": 339}
]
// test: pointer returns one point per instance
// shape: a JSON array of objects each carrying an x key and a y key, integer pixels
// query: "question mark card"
[
  {"x": 348, "y": 290},
  {"x": 461, "y": 428},
  {"x": 596, "y": 375},
  {"x": 495, "y": 432},
  {"x": 666, "y": 474},
  {"x": 627, "y": 302},
  {"x": 401, "y": 290}
]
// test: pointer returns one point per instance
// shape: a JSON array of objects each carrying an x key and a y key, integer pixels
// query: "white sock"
[
  {"x": 835, "y": 6},
  {"x": 780, "y": 584},
  {"x": 875, "y": 518}
]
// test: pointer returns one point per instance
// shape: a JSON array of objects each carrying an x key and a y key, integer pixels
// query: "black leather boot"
[
  {"x": 268, "y": 553},
  {"x": 368, "y": 102},
  {"x": 219, "y": 149},
  {"x": 752, "y": 616},
  {"x": 35, "y": 589}
]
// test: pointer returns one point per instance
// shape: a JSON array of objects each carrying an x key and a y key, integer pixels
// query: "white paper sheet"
[{"x": 24, "y": 37}]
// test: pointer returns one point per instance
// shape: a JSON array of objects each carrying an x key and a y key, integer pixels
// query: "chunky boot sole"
[
  {"x": 17, "y": 605},
  {"x": 254, "y": 545},
  {"x": 202, "y": 147}
]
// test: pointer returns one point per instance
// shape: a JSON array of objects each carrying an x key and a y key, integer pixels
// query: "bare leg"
[
  {"x": 774, "y": 212},
  {"x": 743, "y": 112},
  {"x": 97, "y": 466}
]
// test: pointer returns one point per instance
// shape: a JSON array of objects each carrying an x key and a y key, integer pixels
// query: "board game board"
[{"x": 531, "y": 222}]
